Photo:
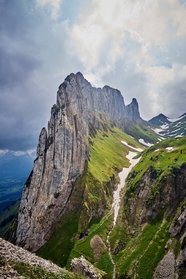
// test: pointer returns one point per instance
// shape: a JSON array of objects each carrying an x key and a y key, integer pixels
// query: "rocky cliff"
[{"x": 62, "y": 152}]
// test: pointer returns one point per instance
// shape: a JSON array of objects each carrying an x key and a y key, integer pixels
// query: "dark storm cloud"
[
  {"x": 13, "y": 18},
  {"x": 35, "y": 57},
  {"x": 15, "y": 67},
  {"x": 16, "y": 59}
]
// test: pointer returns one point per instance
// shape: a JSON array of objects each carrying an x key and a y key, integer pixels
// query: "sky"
[{"x": 136, "y": 46}]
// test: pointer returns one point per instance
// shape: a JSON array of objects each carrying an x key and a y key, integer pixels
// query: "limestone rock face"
[
  {"x": 172, "y": 192},
  {"x": 132, "y": 111},
  {"x": 62, "y": 152},
  {"x": 179, "y": 223}
]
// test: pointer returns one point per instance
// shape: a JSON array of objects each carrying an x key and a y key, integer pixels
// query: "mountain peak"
[
  {"x": 159, "y": 120},
  {"x": 132, "y": 111}
]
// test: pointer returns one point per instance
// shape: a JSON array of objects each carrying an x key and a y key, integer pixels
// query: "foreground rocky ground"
[
  {"x": 13, "y": 258},
  {"x": 18, "y": 254},
  {"x": 10, "y": 253}
]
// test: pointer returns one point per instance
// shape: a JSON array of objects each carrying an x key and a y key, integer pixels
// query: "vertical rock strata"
[{"x": 61, "y": 154}]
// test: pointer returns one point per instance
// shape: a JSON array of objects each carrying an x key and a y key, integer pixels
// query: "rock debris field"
[{"x": 14, "y": 253}]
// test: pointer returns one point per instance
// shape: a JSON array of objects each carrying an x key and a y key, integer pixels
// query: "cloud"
[
  {"x": 16, "y": 66},
  {"x": 135, "y": 46},
  {"x": 53, "y": 5},
  {"x": 170, "y": 90},
  {"x": 149, "y": 23},
  {"x": 35, "y": 57}
]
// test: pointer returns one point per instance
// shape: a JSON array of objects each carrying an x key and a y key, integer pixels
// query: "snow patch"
[
  {"x": 123, "y": 175},
  {"x": 169, "y": 148},
  {"x": 176, "y": 119},
  {"x": 164, "y": 126},
  {"x": 145, "y": 143},
  {"x": 137, "y": 149},
  {"x": 157, "y": 130}
]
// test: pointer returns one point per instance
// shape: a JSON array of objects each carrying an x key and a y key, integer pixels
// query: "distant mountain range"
[{"x": 169, "y": 127}]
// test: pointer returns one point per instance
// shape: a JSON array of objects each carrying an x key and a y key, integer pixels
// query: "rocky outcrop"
[
  {"x": 179, "y": 223},
  {"x": 166, "y": 268},
  {"x": 62, "y": 152},
  {"x": 11, "y": 252},
  {"x": 82, "y": 267},
  {"x": 170, "y": 192},
  {"x": 132, "y": 111},
  {"x": 98, "y": 247},
  {"x": 7, "y": 272},
  {"x": 181, "y": 260}
]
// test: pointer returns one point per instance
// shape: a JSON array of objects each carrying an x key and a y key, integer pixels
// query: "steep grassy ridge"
[
  {"x": 107, "y": 158},
  {"x": 108, "y": 154},
  {"x": 153, "y": 193},
  {"x": 162, "y": 159},
  {"x": 90, "y": 201},
  {"x": 142, "y": 132}
]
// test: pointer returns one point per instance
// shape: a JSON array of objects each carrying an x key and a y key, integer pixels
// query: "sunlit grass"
[{"x": 108, "y": 154}]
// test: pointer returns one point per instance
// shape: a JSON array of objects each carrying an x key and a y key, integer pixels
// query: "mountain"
[
  {"x": 14, "y": 170},
  {"x": 74, "y": 202},
  {"x": 63, "y": 151},
  {"x": 169, "y": 127}
]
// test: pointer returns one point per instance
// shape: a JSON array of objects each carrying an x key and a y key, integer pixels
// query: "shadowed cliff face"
[{"x": 62, "y": 152}]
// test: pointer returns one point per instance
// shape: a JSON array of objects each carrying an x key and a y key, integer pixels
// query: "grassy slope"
[
  {"x": 107, "y": 157},
  {"x": 107, "y": 154},
  {"x": 161, "y": 160},
  {"x": 145, "y": 133},
  {"x": 141, "y": 250}
]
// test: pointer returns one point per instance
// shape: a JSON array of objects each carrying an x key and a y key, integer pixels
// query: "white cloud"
[
  {"x": 166, "y": 88},
  {"x": 141, "y": 35},
  {"x": 149, "y": 23},
  {"x": 54, "y": 5}
]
